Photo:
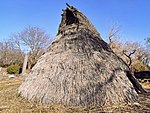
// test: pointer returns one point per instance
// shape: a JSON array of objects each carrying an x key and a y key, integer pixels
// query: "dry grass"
[
  {"x": 10, "y": 102},
  {"x": 146, "y": 85}
]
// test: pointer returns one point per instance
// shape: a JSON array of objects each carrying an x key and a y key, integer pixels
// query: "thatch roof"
[{"x": 79, "y": 68}]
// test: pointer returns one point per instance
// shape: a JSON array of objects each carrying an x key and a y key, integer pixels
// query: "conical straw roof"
[{"x": 79, "y": 68}]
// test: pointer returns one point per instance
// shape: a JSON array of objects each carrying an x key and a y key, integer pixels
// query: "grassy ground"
[{"x": 10, "y": 102}]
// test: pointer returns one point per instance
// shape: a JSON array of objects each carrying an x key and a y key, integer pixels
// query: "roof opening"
[{"x": 70, "y": 18}]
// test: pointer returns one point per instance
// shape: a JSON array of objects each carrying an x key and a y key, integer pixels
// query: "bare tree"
[
  {"x": 133, "y": 53},
  {"x": 136, "y": 56},
  {"x": 126, "y": 53},
  {"x": 113, "y": 35},
  {"x": 33, "y": 39},
  {"x": 146, "y": 59},
  {"x": 9, "y": 54}
]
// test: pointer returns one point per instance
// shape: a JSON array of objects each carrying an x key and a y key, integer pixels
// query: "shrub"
[{"x": 13, "y": 69}]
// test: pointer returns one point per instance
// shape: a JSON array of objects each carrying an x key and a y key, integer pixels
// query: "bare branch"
[
  {"x": 129, "y": 56},
  {"x": 113, "y": 33}
]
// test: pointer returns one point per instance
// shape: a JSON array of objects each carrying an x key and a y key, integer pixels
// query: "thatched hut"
[{"x": 79, "y": 68}]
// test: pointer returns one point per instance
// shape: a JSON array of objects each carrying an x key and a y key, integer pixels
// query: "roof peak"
[{"x": 73, "y": 20}]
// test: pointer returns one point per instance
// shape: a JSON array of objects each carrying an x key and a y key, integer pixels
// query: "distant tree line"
[
  {"x": 32, "y": 41},
  {"x": 136, "y": 56}
]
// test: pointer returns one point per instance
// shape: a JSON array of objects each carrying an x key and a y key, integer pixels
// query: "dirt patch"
[{"x": 146, "y": 85}]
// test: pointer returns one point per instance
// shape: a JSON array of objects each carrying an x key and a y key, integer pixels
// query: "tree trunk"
[{"x": 135, "y": 83}]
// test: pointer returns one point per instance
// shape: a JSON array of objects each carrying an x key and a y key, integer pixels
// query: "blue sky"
[{"x": 133, "y": 16}]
